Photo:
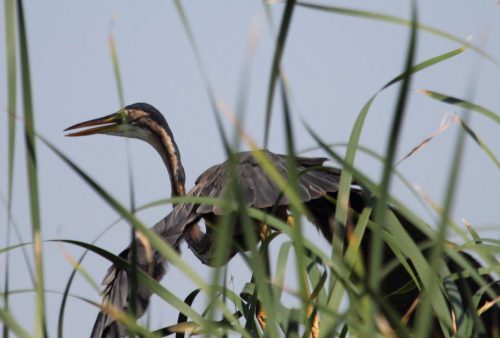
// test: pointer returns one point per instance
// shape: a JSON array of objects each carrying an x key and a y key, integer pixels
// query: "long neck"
[{"x": 165, "y": 144}]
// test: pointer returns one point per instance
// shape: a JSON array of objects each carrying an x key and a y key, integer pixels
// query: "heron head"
[
  {"x": 145, "y": 122},
  {"x": 138, "y": 120}
]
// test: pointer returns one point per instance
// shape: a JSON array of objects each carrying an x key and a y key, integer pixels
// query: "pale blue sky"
[{"x": 334, "y": 64}]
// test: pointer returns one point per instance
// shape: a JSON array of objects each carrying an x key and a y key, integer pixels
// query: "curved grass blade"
[
  {"x": 399, "y": 21},
  {"x": 13, "y": 247},
  {"x": 129, "y": 321},
  {"x": 353, "y": 143},
  {"x": 67, "y": 288},
  {"x": 31, "y": 162},
  {"x": 281, "y": 264},
  {"x": 488, "y": 255},
  {"x": 461, "y": 103},
  {"x": 143, "y": 278},
  {"x": 425, "y": 64},
  {"x": 78, "y": 267},
  {"x": 182, "y": 317}
]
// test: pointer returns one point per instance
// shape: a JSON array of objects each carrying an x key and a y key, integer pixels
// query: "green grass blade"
[
  {"x": 382, "y": 205},
  {"x": 30, "y": 148},
  {"x": 204, "y": 74},
  {"x": 424, "y": 313},
  {"x": 10, "y": 48},
  {"x": 62, "y": 307},
  {"x": 398, "y": 21},
  {"x": 12, "y": 324},
  {"x": 426, "y": 64},
  {"x": 144, "y": 278},
  {"x": 480, "y": 142},
  {"x": 276, "y": 65},
  {"x": 121, "y": 99},
  {"x": 461, "y": 103},
  {"x": 293, "y": 181},
  {"x": 346, "y": 176},
  {"x": 116, "y": 66}
]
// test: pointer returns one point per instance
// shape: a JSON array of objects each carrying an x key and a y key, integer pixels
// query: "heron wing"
[{"x": 260, "y": 190}]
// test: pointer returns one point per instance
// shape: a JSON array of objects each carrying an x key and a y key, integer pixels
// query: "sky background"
[{"x": 334, "y": 64}]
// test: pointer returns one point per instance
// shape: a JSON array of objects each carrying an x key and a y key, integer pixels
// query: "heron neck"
[{"x": 167, "y": 148}]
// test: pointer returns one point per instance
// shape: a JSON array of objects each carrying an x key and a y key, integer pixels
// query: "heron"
[{"x": 317, "y": 184}]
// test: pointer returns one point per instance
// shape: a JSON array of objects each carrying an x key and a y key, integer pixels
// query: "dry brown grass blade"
[{"x": 447, "y": 121}]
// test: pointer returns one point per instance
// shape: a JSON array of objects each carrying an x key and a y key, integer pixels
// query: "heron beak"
[{"x": 104, "y": 125}]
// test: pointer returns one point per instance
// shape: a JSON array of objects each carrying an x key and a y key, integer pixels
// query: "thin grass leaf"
[
  {"x": 55, "y": 292},
  {"x": 443, "y": 126},
  {"x": 276, "y": 64},
  {"x": 73, "y": 273},
  {"x": 129, "y": 321},
  {"x": 426, "y": 64},
  {"x": 424, "y": 313},
  {"x": 223, "y": 243},
  {"x": 336, "y": 292},
  {"x": 143, "y": 278},
  {"x": 20, "y": 239},
  {"x": 259, "y": 267},
  {"x": 10, "y": 322},
  {"x": 10, "y": 48},
  {"x": 182, "y": 317},
  {"x": 399, "y": 21},
  {"x": 245, "y": 77},
  {"x": 460, "y": 103},
  {"x": 77, "y": 266},
  {"x": 381, "y": 205},
  {"x": 488, "y": 255},
  {"x": 204, "y": 74},
  {"x": 479, "y": 141},
  {"x": 31, "y": 162},
  {"x": 293, "y": 181},
  {"x": 13, "y": 247},
  {"x": 281, "y": 265},
  {"x": 121, "y": 98},
  {"x": 116, "y": 64},
  {"x": 62, "y": 307}
]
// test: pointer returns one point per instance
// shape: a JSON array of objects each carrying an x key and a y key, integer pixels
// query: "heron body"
[{"x": 317, "y": 187}]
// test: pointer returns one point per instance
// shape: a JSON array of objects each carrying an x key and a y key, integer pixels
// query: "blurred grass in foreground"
[{"x": 325, "y": 279}]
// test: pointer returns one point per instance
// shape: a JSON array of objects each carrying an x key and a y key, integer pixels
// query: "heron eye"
[{"x": 123, "y": 115}]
